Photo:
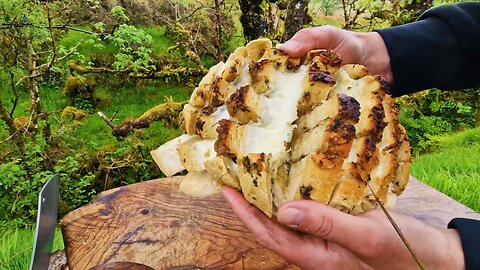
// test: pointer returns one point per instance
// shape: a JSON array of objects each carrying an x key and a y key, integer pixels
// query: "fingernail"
[
  {"x": 291, "y": 45},
  {"x": 290, "y": 216}
]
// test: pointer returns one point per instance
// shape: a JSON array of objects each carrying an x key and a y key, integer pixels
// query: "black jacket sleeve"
[
  {"x": 440, "y": 50},
  {"x": 469, "y": 231}
]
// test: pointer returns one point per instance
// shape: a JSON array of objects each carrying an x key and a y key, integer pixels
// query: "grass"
[
  {"x": 130, "y": 102},
  {"x": 454, "y": 167},
  {"x": 16, "y": 248}
]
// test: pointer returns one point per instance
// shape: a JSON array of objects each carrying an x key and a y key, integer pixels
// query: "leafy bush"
[
  {"x": 433, "y": 112},
  {"x": 421, "y": 129},
  {"x": 24, "y": 176}
]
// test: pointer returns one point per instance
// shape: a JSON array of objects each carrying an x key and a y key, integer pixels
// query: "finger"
[
  {"x": 323, "y": 37},
  {"x": 287, "y": 243},
  {"x": 360, "y": 235},
  {"x": 271, "y": 235}
]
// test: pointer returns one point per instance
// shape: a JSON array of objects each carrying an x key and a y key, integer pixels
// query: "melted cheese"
[{"x": 278, "y": 111}]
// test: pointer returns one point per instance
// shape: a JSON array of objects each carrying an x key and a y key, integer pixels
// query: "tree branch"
[
  {"x": 107, "y": 120},
  {"x": 74, "y": 29},
  {"x": 72, "y": 51},
  {"x": 166, "y": 112},
  {"x": 43, "y": 68},
  {"x": 142, "y": 73},
  {"x": 15, "y": 94}
]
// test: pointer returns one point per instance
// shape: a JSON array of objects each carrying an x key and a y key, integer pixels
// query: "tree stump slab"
[{"x": 155, "y": 224}]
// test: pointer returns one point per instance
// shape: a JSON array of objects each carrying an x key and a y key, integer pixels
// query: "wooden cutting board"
[{"x": 155, "y": 224}]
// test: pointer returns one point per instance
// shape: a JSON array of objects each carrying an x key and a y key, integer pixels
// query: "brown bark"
[
  {"x": 345, "y": 14},
  {"x": 167, "y": 113},
  {"x": 218, "y": 16},
  {"x": 35, "y": 108},
  {"x": 297, "y": 17},
  {"x": 5, "y": 116},
  {"x": 12, "y": 129},
  {"x": 253, "y": 19},
  {"x": 477, "y": 120}
]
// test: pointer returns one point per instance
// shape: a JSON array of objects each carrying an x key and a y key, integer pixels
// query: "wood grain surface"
[
  {"x": 155, "y": 224},
  {"x": 430, "y": 205}
]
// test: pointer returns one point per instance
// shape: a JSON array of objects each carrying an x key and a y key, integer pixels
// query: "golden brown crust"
[
  {"x": 218, "y": 92},
  {"x": 227, "y": 143},
  {"x": 201, "y": 94},
  {"x": 317, "y": 85},
  {"x": 234, "y": 64},
  {"x": 244, "y": 105},
  {"x": 307, "y": 172},
  {"x": 402, "y": 173},
  {"x": 205, "y": 127},
  {"x": 255, "y": 180},
  {"x": 256, "y": 48},
  {"x": 261, "y": 73},
  {"x": 333, "y": 134},
  {"x": 188, "y": 118}
]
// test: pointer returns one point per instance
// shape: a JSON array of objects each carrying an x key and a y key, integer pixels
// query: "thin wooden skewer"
[{"x": 397, "y": 229}]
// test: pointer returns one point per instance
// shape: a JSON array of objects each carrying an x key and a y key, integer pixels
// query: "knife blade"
[{"x": 46, "y": 222}]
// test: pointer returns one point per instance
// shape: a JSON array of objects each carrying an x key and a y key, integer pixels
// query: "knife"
[{"x": 46, "y": 223}]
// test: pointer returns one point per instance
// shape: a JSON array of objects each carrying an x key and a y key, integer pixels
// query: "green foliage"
[
  {"x": 16, "y": 247},
  {"x": 329, "y": 6},
  {"x": 433, "y": 112},
  {"x": 132, "y": 43},
  {"x": 421, "y": 129},
  {"x": 24, "y": 176},
  {"x": 118, "y": 12},
  {"x": 453, "y": 168},
  {"x": 86, "y": 155}
]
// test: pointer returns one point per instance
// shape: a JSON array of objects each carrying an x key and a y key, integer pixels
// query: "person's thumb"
[
  {"x": 360, "y": 235},
  {"x": 323, "y": 37}
]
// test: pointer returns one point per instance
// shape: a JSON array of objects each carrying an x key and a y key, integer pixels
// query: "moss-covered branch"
[
  {"x": 167, "y": 113},
  {"x": 141, "y": 72}
]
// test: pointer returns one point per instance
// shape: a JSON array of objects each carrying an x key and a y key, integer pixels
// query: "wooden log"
[{"x": 155, "y": 224}]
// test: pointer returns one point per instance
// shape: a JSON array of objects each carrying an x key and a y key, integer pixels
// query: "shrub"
[
  {"x": 433, "y": 112},
  {"x": 80, "y": 91},
  {"x": 24, "y": 176}
]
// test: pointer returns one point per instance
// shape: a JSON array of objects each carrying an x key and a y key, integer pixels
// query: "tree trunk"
[
  {"x": 477, "y": 120},
  {"x": 253, "y": 19},
  {"x": 297, "y": 17},
  {"x": 219, "y": 29},
  {"x": 346, "y": 16},
  {"x": 35, "y": 108},
  {"x": 12, "y": 130},
  {"x": 5, "y": 116}
]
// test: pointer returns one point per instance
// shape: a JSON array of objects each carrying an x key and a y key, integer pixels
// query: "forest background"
[{"x": 137, "y": 62}]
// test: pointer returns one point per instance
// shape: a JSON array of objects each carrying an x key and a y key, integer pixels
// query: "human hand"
[
  {"x": 367, "y": 49},
  {"x": 315, "y": 236}
]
